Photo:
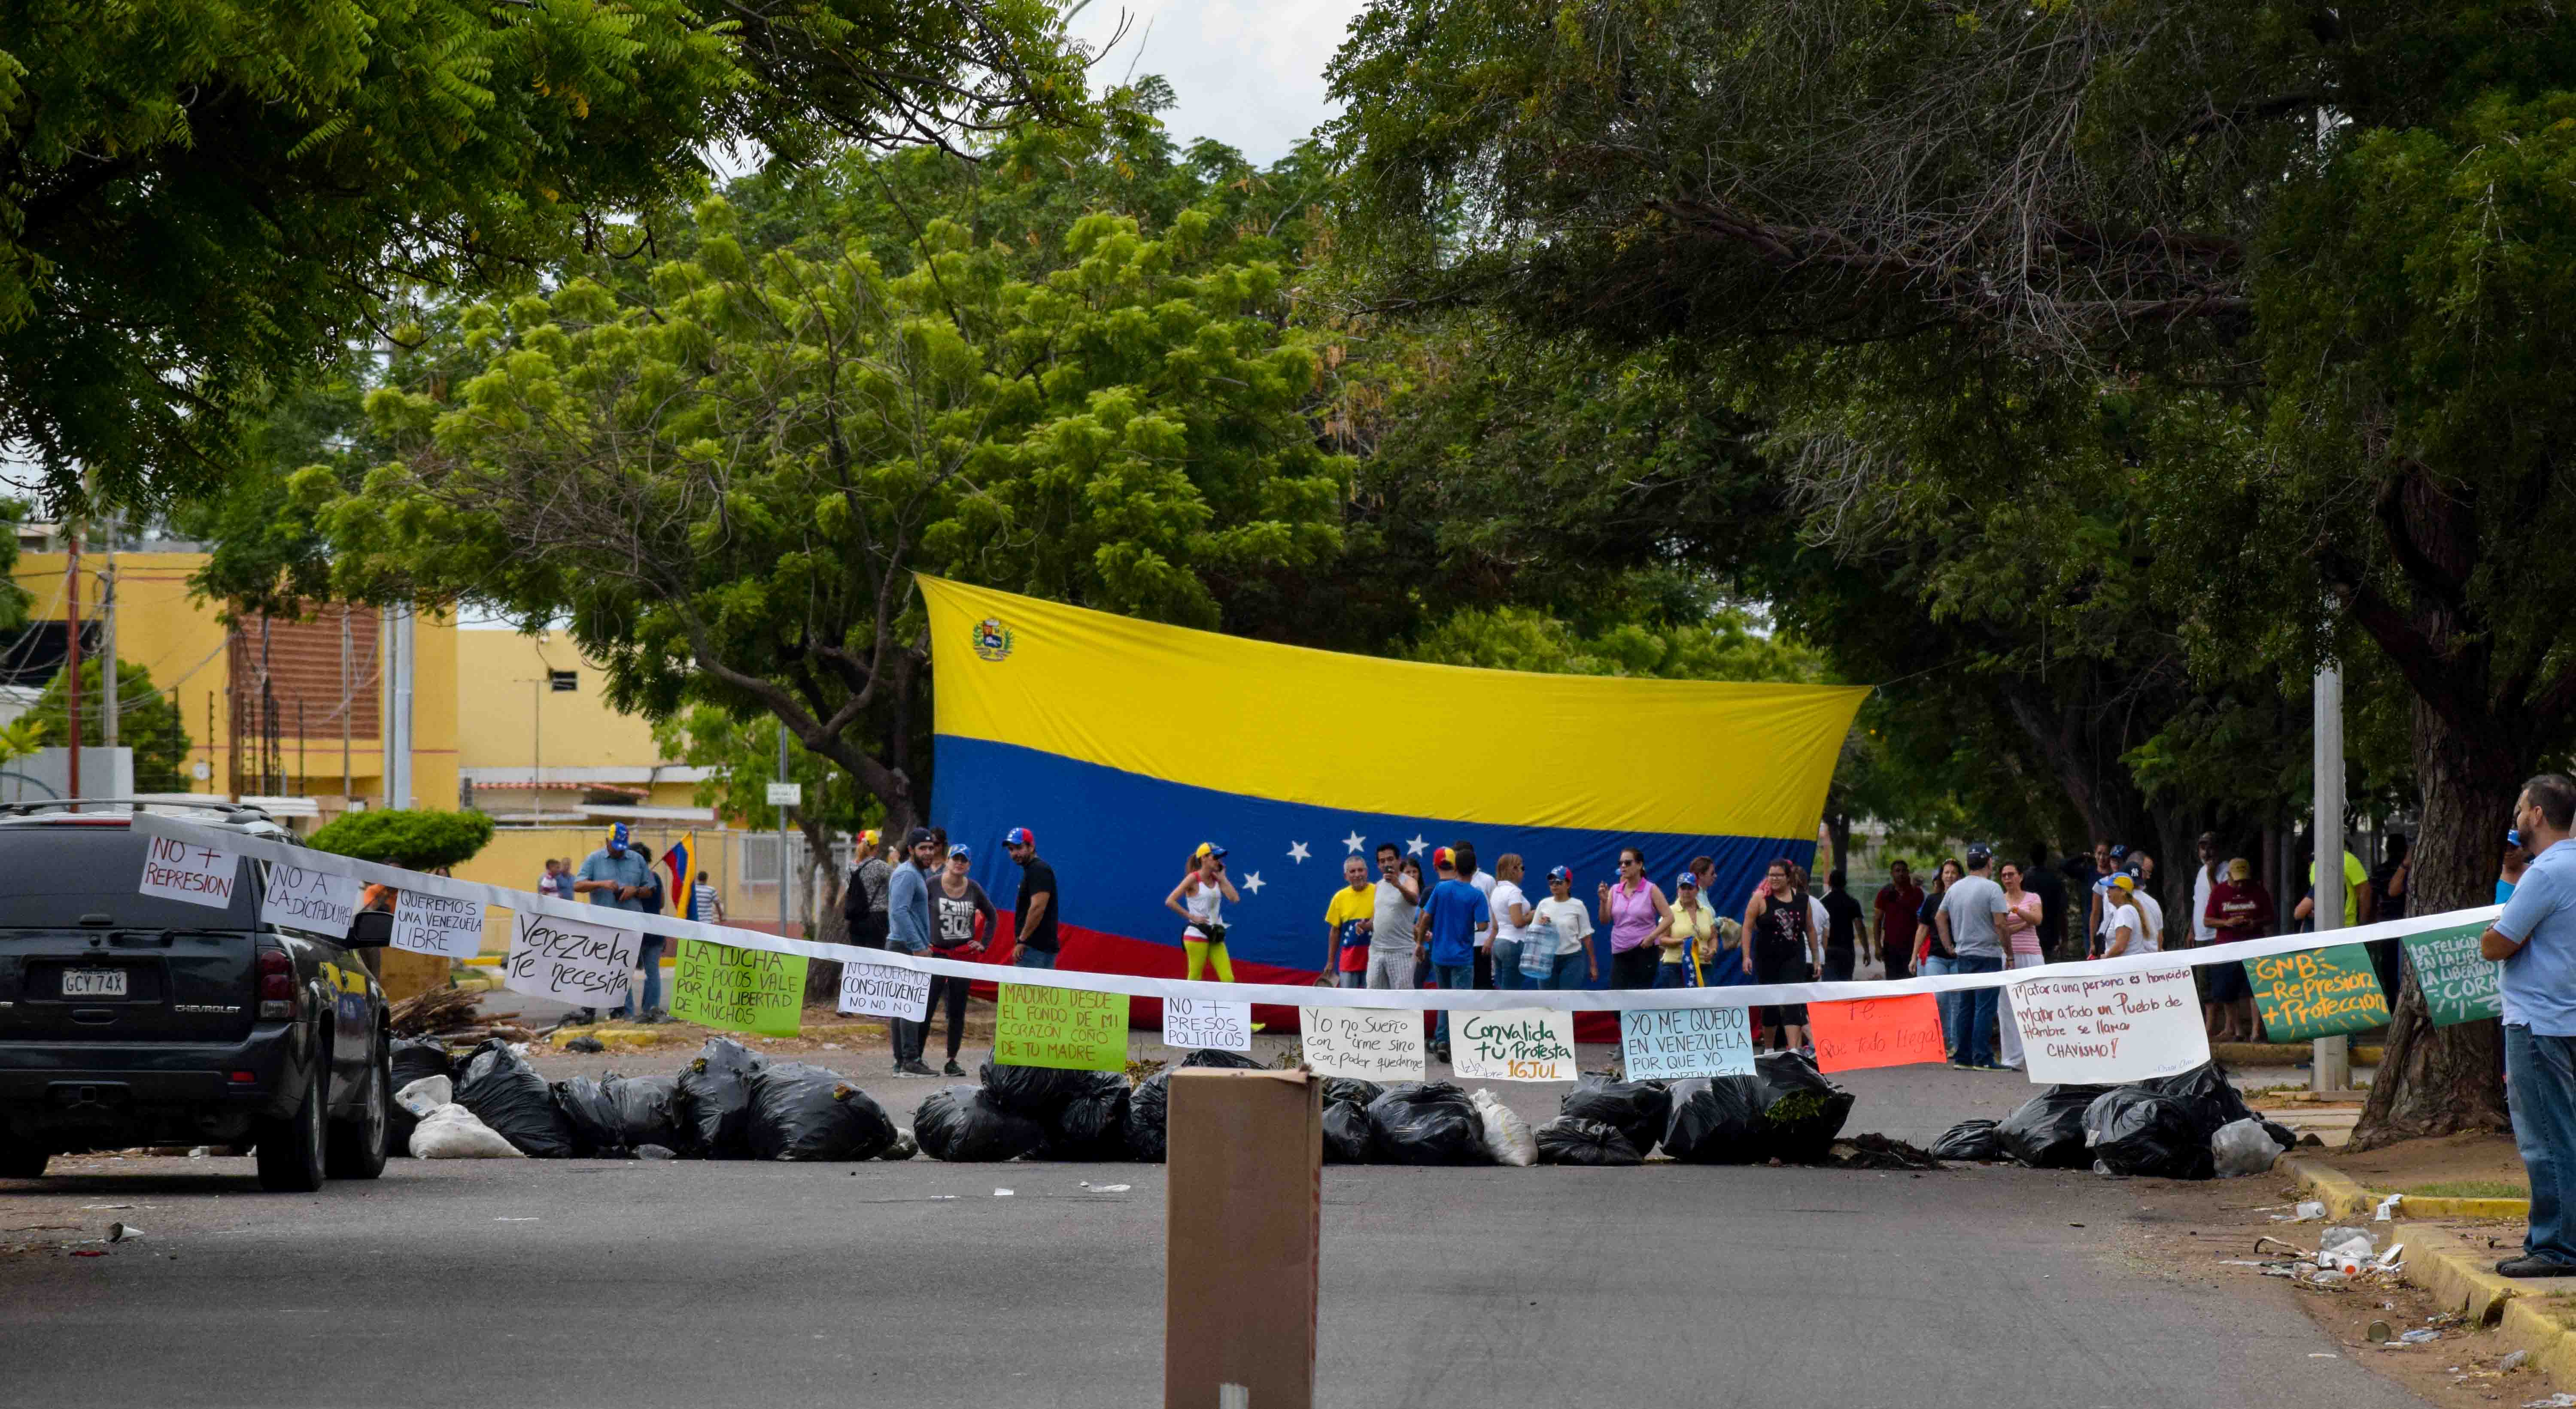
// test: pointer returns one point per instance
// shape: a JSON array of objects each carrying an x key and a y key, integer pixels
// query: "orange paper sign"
[{"x": 1877, "y": 1032}]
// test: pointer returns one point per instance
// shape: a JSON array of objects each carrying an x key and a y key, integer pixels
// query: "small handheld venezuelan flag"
[{"x": 681, "y": 860}]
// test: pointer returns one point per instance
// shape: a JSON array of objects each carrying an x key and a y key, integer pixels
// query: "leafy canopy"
[
  {"x": 416, "y": 839},
  {"x": 148, "y": 722}
]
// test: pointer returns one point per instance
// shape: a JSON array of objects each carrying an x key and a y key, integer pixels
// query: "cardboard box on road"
[{"x": 1244, "y": 1223}]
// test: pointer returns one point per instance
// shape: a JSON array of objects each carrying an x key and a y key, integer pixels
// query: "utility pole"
[
  {"x": 71, "y": 658},
  {"x": 107, "y": 718},
  {"x": 2330, "y": 1058},
  {"x": 397, "y": 731},
  {"x": 782, "y": 830},
  {"x": 346, "y": 781},
  {"x": 537, "y": 739}
]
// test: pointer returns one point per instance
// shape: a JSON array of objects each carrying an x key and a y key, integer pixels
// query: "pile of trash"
[
  {"x": 729, "y": 1103},
  {"x": 2342, "y": 1258},
  {"x": 2192, "y": 1126},
  {"x": 1786, "y": 1111}
]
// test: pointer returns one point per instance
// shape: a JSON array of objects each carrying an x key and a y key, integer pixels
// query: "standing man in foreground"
[
  {"x": 1971, "y": 922},
  {"x": 615, "y": 877},
  {"x": 908, "y": 929},
  {"x": 1398, "y": 900},
  {"x": 1897, "y": 903},
  {"x": 1445, "y": 934},
  {"x": 1347, "y": 917},
  {"x": 1035, "y": 912},
  {"x": 2535, "y": 938}
]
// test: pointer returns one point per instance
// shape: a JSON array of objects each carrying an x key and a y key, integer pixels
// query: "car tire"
[
  {"x": 358, "y": 1146},
  {"x": 20, "y": 1162},
  {"x": 290, "y": 1150}
]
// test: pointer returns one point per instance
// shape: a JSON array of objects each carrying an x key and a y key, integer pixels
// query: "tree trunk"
[
  {"x": 1839, "y": 828},
  {"x": 823, "y": 976},
  {"x": 2446, "y": 1080}
]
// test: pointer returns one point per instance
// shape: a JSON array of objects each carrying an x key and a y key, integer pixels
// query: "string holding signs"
[
  {"x": 1193, "y": 1023},
  {"x": 1672, "y": 1043},
  {"x": 2317, "y": 993},
  {"x": 574, "y": 960},
  {"x": 1877, "y": 1032},
  {"x": 301, "y": 898},
  {"x": 438, "y": 924},
  {"x": 1373, "y": 1044},
  {"x": 2460, "y": 984},
  {"x": 1516, "y": 1044},
  {"x": 740, "y": 990},
  {"x": 1071, "y": 1029},
  {"x": 199, "y": 875},
  {"x": 884, "y": 991},
  {"x": 2112, "y": 1029}
]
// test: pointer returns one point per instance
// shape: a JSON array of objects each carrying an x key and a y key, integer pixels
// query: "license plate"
[{"x": 93, "y": 983}]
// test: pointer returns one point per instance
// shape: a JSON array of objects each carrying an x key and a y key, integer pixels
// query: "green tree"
[
  {"x": 416, "y": 839},
  {"x": 147, "y": 721},
  {"x": 204, "y": 200}
]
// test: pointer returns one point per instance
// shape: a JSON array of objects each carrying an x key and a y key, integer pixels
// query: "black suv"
[{"x": 129, "y": 1019}]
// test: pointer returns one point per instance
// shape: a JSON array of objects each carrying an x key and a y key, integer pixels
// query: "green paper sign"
[
  {"x": 2459, "y": 983},
  {"x": 740, "y": 990},
  {"x": 2317, "y": 993},
  {"x": 1068, "y": 1028}
]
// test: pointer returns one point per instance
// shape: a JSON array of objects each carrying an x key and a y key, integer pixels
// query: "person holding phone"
[{"x": 1200, "y": 902}]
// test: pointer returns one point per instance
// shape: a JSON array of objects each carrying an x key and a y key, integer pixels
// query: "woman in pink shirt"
[
  {"x": 2021, "y": 951},
  {"x": 1631, "y": 910}
]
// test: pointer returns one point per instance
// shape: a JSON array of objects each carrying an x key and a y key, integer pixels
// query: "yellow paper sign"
[
  {"x": 741, "y": 990},
  {"x": 1070, "y": 1028}
]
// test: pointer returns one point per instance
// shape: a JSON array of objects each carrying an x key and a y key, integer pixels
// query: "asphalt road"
[{"x": 675, "y": 1283}]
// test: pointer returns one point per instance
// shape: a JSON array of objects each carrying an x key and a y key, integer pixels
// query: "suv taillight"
[{"x": 276, "y": 985}]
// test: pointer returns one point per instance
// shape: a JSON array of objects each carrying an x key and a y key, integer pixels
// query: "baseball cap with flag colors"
[
  {"x": 1209, "y": 848},
  {"x": 1019, "y": 836},
  {"x": 1443, "y": 856}
]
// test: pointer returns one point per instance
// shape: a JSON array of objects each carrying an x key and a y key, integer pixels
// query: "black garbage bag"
[
  {"x": 713, "y": 1100},
  {"x": 2135, "y": 1131},
  {"x": 1211, "y": 1057},
  {"x": 2282, "y": 1135},
  {"x": 2207, "y": 1094},
  {"x": 505, "y": 1093},
  {"x": 961, "y": 1124},
  {"x": 1566, "y": 1140},
  {"x": 413, "y": 1058},
  {"x": 1093, "y": 1125},
  {"x": 1148, "y": 1106},
  {"x": 2047, "y": 1132},
  {"x": 1716, "y": 1120},
  {"x": 1351, "y": 1089},
  {"x": 1639, "y": 1109},
  {"x": 1348, "y": 1138},
  {"x": 1969, "y": 1140},
  {"x": 801, "y": 1112},
  {"x": 1036, "y": 1092},
  {"x": 591, "y": 1116},
  {"x": 646, "y": 1113},
  {"x": 1427, "y": 1122},
  {"x": 1802, "y": 1111}
]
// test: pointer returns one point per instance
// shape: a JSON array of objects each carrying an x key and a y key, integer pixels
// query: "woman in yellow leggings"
[{"x": 1199, "y": 900}]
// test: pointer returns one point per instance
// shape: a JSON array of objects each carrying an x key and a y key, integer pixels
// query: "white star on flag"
[
  {"x": 1355, "y": 842},
  {"x": 1297, "y": 852},
  {"x": 1252, "y": 883},
  {"x": 1414, "y": 847}
]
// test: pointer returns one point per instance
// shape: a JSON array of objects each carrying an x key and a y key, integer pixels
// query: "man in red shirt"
[
  {"x": 2239, "y": 908},
  {"x": 1898, "y": 902}
]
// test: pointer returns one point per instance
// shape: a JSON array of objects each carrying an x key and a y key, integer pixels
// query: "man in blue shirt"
[
  {"x": 2535, "y": 938},
  {"x": 616, "y": 877},
  {"x": 1446, "y": 933},
  {"x": 908, "y": 929}
]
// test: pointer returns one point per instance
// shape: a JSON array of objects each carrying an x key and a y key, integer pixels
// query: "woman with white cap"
[
  {"x": 1569, "y": 922},
  {"x": 1200, "y": 902}
]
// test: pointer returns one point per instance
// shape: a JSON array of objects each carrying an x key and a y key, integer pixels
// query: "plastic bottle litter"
[
  {"x": 2308, "y": 1211},
  {"x": 2419, "y": 1337},
  {"x": 2561, "y": 1400},
  {"x": 2514, "y": 1362}
]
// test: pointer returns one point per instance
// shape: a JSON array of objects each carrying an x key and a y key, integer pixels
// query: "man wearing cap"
[
  {"x": 615, "y": 877},
  {"x": 2238, "y": 909},
  {"x": 2535, "y": 941},
  {"x": 1034, "y": 915},
  {"x": 908, "y": 929},
  {"x": 1445, "y": 933},
  {"x": 1971, "y": 925}
]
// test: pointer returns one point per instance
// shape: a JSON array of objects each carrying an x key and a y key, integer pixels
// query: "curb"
[
  {"x": 2458, "y": 1276},
  {"x": 2333, "y": 1188}
]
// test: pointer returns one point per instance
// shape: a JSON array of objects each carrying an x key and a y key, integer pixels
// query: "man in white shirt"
[
  {"x": 1399, "y": 901},
  {"x": 1511, "y": 909},
  {"x": 2203, "y": 881}
]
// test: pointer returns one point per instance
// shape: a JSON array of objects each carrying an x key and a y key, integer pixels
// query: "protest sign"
[
  {"x": 1373, "y": 1044},
  {"x": 1667, "y": 1043},
  {"x": 1191, "y": 1023},
  {"x": 1070, "y": 1028},
  {"x": 1877, "y": 1032},
  {"x": 573, "y": 960},
  {"x": 2459, "y": 983},
  {"x": 438, "y": 924},
  {"x": 884, "y": 991},
  {"x": 301, "y": 898},
  {"x": 742, "y": 990},
  {"x": 2110, "y": 1029},
  {"x": 2317, "y": 993},
  {"x": 1516, "y": 1044},
  {"x": 199, "y": 875}
]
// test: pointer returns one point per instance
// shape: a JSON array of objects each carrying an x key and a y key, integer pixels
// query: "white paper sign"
[
  {"x": 884, "y": 991},
  {"x": 199, "y": 875},
  {"x": 2112, "y": 1029},
  {"x": 1516, "y": 1044},
  {"x": 301, "y": 898},
  {"x": 438, "y": 924},
  {"x": 1194, "y": 1022},
  {"x": 1373, "y": 1044},
  {"x": 1668, "y": 1043},
  {"x": 573, "y": 960}
]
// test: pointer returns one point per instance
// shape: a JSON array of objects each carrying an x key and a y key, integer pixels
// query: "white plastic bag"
[
  {"x": 1507, "y": 1136},
  {"x": 452, "y": 1132},
  {"x": 425, "y": 1095},
  {"x": 2243, "y": 1147}
]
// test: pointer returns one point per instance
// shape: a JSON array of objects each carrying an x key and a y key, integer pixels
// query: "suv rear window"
[{"x": 50, "y": 876}]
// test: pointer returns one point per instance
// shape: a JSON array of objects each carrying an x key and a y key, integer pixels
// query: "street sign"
[{"x": 786, "y": 794}]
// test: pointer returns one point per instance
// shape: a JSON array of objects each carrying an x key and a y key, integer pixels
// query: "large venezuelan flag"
[{"x": 1124, "y": 744}]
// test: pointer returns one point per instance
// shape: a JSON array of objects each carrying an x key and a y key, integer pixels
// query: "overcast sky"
[{"x": 1249, "y": 73}]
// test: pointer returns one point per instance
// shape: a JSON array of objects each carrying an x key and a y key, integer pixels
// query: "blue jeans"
[
  {"x": 1977, "y": 1009},
  {"x": 650, "y": 952},
  {"x": 1672, "y": 976},
  {"x": 1571, "y": 972},
  {"x": 1034, "y": 958},
  {"x": 1933, "y": 967},
  {"x": 1449, "y": 976},
  {"x": 1507, "y": 963},
  {"x": 2540, "y": 1090}
]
